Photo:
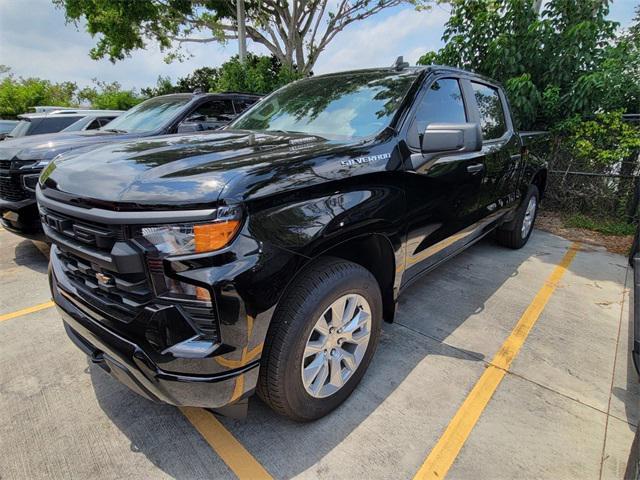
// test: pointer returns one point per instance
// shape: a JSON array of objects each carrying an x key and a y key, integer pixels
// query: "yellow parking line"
[
  {"x": 232, "y": 452},
  {"x": 446, "y": 450},
  {"x": 25, "y": 311}
]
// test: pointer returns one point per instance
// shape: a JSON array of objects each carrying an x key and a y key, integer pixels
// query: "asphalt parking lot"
[{"x": 438, "y": 397}]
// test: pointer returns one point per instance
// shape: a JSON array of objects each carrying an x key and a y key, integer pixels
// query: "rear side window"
[
  {"x": 443, "y": 103},
  {"x": 491, "y": 111}
]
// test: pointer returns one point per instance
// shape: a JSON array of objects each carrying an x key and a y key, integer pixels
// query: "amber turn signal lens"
[{"x": 213, "y": 236}]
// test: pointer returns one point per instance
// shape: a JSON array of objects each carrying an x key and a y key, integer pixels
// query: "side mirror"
[{"x": 452, "y": 137}]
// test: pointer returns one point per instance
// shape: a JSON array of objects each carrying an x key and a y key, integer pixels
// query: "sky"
[{"x": 36, "y": 41}]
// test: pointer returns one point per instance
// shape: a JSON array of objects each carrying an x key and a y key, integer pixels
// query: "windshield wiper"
[{"x": 113, "y": 130}]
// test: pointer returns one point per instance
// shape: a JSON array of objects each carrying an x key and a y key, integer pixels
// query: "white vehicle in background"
[
  {"x": 55, "y": 121},
  {"x": 49, "y": 108},
  {"x": 92, "y": 122}
]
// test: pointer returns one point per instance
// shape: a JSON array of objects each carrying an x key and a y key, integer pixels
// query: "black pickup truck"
[
  {"x": 264, "y": 257},
  {"x": 22, "y": 159}
]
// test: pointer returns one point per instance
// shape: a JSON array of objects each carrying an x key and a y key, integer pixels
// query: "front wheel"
[
  {"x": 321, "y": 339},
  {"x": 516, "y": 233}
]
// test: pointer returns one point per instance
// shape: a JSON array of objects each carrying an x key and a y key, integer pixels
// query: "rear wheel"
[
  {"x": 516, "y": 233},
  {"x": 321, "y": 339}
]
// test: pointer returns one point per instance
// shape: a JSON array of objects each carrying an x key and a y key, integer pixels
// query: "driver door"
[{"x": 443, "y": 193}]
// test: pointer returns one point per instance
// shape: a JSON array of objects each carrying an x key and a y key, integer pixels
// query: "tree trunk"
[{"x": 242, "y": 40}]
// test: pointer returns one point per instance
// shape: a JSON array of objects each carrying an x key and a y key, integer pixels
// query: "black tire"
[
  {"x": 510, "y": 234},
  {"x": 313, "y": 291}
]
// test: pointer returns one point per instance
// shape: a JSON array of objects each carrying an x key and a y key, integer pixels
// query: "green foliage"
[
  {"x": 18, "y": 95},
  {"x": 525, "y": 98},
  {"x": 204, "y": 79},
  {"x": 259, "y": 74},
  {"x": 605, "y": 226},
  {"x": 109, "y": 96},
  {"x": 602, "y": 142},
  {"x": 566, "y": 61},
  {"x": 163, "y": 87},
  {"x": 124, "y": 25}
]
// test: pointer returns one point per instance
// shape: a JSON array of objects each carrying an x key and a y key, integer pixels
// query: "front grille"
[
  {"x": 114, "y": 293},
  {"x": 111, "y": 276},
  {"x": 11, "y": 188},
  {"x": 5, "y": 164},
  {"x": 96, "y": 235}
]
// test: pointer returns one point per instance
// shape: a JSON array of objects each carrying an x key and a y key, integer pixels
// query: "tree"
[
  {"x": 204, "y": 79},
  {"x": 295, "y": 32},
  {"x": 18, "y": 95},
  {"x": 553, "y": 65},
  {"x": 164, "y": 86},
  {"x": 109, "y": 96},
  {"x": 258, "y": 74}
]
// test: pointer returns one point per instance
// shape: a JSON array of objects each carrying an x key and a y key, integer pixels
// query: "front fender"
[{"x": 315, "y": 224}]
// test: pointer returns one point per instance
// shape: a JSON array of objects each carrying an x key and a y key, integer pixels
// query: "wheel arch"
[
  {"x": 372, "y": 251},
  {"x": 375, "y": 253}
]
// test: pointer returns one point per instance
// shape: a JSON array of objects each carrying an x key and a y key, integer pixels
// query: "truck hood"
[
  {"x": 47, "y": 146},
  {"x": 180, "y": 171}
]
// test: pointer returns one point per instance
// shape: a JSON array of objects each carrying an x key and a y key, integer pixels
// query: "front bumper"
[
  {"x": 22, "y": 218},
  {"x": 131, "y": 365}
]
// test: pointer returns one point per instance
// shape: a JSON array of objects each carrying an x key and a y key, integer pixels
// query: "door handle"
[{"x": 476, "y": 168}]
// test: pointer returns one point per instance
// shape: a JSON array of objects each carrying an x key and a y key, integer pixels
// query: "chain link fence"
[{"x": 583, "y": 187}]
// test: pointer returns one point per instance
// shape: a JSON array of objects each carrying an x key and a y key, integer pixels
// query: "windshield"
[
  {"x": 148, "y": 116},
  {"x": 350, "y": 105},
  {"x": 21, "y": 129}
]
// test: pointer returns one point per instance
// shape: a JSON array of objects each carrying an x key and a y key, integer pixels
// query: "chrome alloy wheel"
[
  {"x": 529, "y": 216},
  {"x": 336, "y": 345}
]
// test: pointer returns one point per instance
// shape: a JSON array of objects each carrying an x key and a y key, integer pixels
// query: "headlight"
[
  {"x": 165, "y": 240},
  {"x": 194, "y": 238}
]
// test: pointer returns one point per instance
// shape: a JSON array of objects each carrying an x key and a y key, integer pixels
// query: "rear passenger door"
[{"x": 500, "y": 149}]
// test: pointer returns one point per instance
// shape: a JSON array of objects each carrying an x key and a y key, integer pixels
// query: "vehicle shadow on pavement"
[
  {"x": 159, "y": 432},
  {"x": 630, "y": 394},
  {"x": 412, "y": 363},
  {"x": 26, "y": 254},
  {"x": 424, "y": 365}
]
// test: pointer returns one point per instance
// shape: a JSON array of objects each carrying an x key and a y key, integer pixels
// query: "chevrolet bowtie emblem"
[{"x": 104, "y": 279}]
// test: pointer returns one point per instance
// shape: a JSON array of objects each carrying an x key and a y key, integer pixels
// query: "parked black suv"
[
  {"x": 197, "y": 269},
  {"x": 22, "y": 159}
]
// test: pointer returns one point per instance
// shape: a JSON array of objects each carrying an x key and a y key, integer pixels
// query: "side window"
[
  {"x": 94, "y": 124},
  {"x": 210, "y": 115},
  {"x": 104, "y": 120},
  {"x": 443, "y": 103},
  {"x": 215, "y": 109},
  {"x": 491, "y": 111},
  {"x": 242, "y": 105}
]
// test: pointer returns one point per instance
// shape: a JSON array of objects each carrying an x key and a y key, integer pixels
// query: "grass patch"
[{"x": 606, "y": 227}]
